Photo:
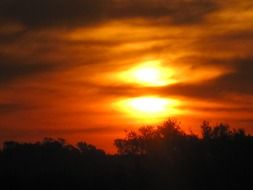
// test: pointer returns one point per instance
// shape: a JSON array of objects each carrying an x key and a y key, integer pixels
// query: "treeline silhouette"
[{"x": 154, "y": 157}]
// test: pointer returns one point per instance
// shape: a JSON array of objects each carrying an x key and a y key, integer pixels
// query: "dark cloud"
[
  {"x": 57, "y": 12},
  {"x": 178, "y": 11},
  {"x": 231, "y": 109},
  {"x": 6, "y": 108},
  {"x": 241, "y": 81},
  {"x": 12, "y": 69},
  {"x": 238, "y": 82},
  {"x": 37, "y": 13},
  {"x": 11, "y": 38}
]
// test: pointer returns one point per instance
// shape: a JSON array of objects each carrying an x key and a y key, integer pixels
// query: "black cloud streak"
[
  {"x": 12, "y": 69},
  {"x": 67, "y": 13},
  {"x": 10, "y": 107},
  {"x": 57, "y": 12},
  {"x": 238, "y": 82},
  {"x": 241, "y": 81}
]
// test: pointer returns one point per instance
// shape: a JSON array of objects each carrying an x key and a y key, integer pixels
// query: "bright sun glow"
[
  {"x": 148, "y": 107},
  {"x": 149, "y": 73},
  {"x": 149, "y": 104}
]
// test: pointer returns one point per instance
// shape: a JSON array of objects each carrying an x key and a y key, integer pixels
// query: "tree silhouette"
[{"x": 153, "y": 157}]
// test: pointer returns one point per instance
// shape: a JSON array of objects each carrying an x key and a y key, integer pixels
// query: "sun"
[
  {"x": 149, "y": 104},
  {"x": 148, "y": 73},
  {"x": 148, "y": 107}
]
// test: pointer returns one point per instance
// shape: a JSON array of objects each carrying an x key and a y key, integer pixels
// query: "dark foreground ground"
[{"x": 161, "y": 157}]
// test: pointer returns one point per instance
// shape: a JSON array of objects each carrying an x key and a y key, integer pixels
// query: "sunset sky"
[{"x": 90, "y": 69}]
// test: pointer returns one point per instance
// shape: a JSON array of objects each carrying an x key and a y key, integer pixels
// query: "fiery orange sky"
[{"x": 90, "y": 69}]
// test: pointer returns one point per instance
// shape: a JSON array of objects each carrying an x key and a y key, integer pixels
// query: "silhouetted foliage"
[{"x": 154, "y": 157}]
